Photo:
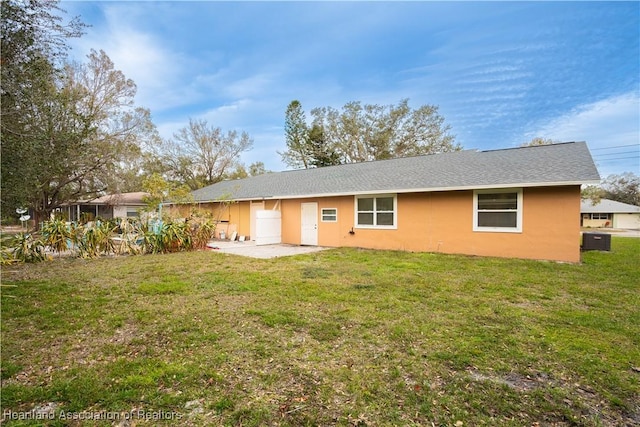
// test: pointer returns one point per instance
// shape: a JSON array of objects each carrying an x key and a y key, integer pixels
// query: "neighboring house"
[
  {"x": 609, "y": 213},
  {"x": 519, "y": 202},
  {"x": 122, "y": 205}
]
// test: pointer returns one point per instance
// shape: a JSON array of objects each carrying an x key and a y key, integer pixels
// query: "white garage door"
[{"x": 623, "y": 220}]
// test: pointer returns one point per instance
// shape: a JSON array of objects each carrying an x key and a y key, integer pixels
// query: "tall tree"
[
  {"x": 159, "y": 190},
  {"x": 241, "y": 171},
  {"x": 71, "y": 135},
  {"x": 200, "y": 154},
  {"x": 67, "y": 128},
  {"x": 359, "y": 133},
  {"x": 298, "y": 154},
  {"x": 321, "y": 153},
  {"x": 33, "y": 44},
  {"x": 593, "y": 193},
  {"x": 623, "y": 188},
  {"x": 257, "y": 168}
]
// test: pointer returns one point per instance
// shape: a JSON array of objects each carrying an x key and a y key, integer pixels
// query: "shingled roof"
[
  {"x": 546, "y": 165},
  {"x": 607, "y": 206}
]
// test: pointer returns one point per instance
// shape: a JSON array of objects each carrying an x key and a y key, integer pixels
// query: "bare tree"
[
  {"x": 200, "y": 154},
  {"x": 538, "y": 140}
]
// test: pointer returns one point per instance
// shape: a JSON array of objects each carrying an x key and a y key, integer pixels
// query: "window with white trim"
[
  {"x": 378, "y": 211},
  {"x": 497, "y": 210},
  {"x": 329, "y": 215}
]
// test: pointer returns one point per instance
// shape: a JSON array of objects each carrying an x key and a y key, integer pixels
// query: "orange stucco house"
[{"x": 518, "y": 202}]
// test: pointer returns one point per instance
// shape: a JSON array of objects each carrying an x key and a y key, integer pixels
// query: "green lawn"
[{"x": 342, "y": 337}]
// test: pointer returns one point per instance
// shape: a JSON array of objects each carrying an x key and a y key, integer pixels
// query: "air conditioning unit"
[{"x": 596, "y": 242}]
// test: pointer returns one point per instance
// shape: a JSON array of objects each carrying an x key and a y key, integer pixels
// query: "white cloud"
[
  {"x": 229, "y": 116},
  {"x": 612, "y": 121},
  {"x": 140, "y": 55},
  {"x": 609, "y": 127}
]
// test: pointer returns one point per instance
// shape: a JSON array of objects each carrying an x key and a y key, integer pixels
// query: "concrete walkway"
[{"x": 250, "y": 249}]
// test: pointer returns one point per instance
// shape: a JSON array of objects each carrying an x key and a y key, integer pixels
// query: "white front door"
[
  {"x": 253, "y": 208},
  {"x": 309, "y": 232}
]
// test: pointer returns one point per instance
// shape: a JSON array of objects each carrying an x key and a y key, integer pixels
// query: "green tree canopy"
[
  {"x": 241, "y": 171},
  {"x": 33, "y": 45},
  {"x": 298, "y": 154},
  {"x": 624, "y": 188},
  {"x": 363, "y": 132},
  {"x": 71, "y": 135},
  {"x": 160, "y": 190}
]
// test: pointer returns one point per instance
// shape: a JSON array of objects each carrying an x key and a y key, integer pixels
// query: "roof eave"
[{"x": 404, "y": 191}]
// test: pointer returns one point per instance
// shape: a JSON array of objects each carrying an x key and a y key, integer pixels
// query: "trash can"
[
  {"x": 596, "y": 242},
  {"x": 222, "y": 235}
]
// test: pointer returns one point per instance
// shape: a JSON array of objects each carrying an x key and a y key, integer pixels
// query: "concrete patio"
[{"x": 249, "y": 249}]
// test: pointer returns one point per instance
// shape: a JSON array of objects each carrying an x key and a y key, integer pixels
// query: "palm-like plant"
[
  {"x": 94, "y": 239},
  {"x": 131, "y": 237},
  {"x": 27, "y": 248},
  {"x": 176, "y": 237},
  {"x": 57, "y": 235},
  {"x": 202, "y": 230}
]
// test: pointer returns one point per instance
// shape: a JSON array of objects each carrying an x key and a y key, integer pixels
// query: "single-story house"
[
  {"x": 518, "y": 202},
  {"x": 609, "y": 213},
  {"x": 121, "y": 205}
]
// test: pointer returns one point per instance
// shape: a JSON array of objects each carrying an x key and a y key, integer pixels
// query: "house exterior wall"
[
  {"x": 235, "y": 216},
  {"x": 595, "y": 223},
  {"x": 617, "y": 220},
  {"x": 119, "y": 211},
  {"x": 232, "y": 217},
  {"x": 443, "y": 222},
  {"x": 438, "y": 222},
  {"x": 178, "y": 211}
]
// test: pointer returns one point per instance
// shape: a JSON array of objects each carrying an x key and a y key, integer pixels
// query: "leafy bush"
[
  {"x": 130, "y": 237},
  {"x": 120, "y": 236},
  {"x": 25, "y": 248},
  {"x": 202, "y": 229},
  {"x": 175, "y": 236},
  {"x": 57, "y": 235},
  {"x": 94, "y": 239}
]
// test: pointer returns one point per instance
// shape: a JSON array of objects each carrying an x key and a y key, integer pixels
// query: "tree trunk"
[{"x": 41, "y": 216}]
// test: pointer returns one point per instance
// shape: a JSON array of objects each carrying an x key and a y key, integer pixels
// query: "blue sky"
[{"x": 500, "y": 72}]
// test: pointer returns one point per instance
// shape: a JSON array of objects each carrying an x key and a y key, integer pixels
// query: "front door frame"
[
  {"x": 253, "y": 207},
  {"x": 309, "y": 224}
]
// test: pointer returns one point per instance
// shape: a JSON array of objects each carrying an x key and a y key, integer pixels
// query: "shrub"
[
  {"x": 202, "y": 229},
  {"x": 121, "y": 236},
  {"x": 94, "y": 239},
  {"x": 25, "y": 248},
  {"x": 175, "y": 236},
  {"x": 57, "y": 235}
]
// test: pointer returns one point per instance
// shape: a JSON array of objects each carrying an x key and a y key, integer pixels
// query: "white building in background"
[
  {"x": 123, "y": 205},
  {"x": 609, "y": 214}
]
